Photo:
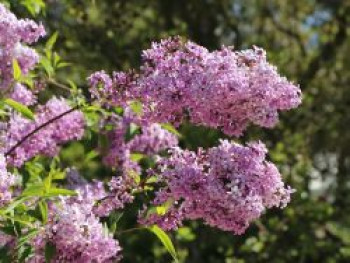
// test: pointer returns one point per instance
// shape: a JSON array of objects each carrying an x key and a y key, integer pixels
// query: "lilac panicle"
[
  {"x": 227, "y": 187},
  {"x": 23, "y": 95},
  {"x": 77, "y": 235},
  {"x": 223, "y": 89},
  {"x": 14, "y": 34},
  {"x": 6, "y": 181},
  {"x": 119, "y": 194},
  {"x": 153, "y": 140}
]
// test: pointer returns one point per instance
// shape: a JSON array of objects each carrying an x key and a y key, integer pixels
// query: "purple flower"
[
  {"x": 223, "y": 89},
  {"x": 14, "y": 33},
  {"x": 46, "y": 141},
  {"x": 22, "y": 95},
  {"x": 77, "y": 235},
  {"x": 227, "y": 186},
  {"x": 119, "y": 194},
  {"x": 153, "y": 140},
  {"x": 7, "y": 180}
]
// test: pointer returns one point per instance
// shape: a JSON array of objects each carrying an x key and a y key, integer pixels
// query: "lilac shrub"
[{"x": 60, "y": 216}]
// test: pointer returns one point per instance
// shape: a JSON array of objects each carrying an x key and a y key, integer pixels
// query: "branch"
[
  {"x": 21, "y": 141},
  {"x": 59, "y": 85}
]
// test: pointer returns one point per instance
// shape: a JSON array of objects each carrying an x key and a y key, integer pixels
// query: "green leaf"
[
  {"x": 46, "y": 63},
  {"x": 170, "y": 128},
  {"x": 17, "y": 72},
  {"x": 72, "y": 85},
  {"x": 28, "y": 236},
  {"x": 90, "y": 156},
  {"x": 136, "y": 106},
  {"x": 132, "y": 130},
  {"x": 52, "y": 40},
  {"x": 58, "y": 175},
  {"x": 33, "y": 6},
  {"x": 60, "y": 191},
  {"x": 24, "y": 110},
  {"x": 44, "y": 210},
  {"x": 152, "y": 179},
  {"x": 165, "y": 239},
  {"x": 34, "y": 190},
  {"x": 63, "y": 64},
  {"x": 13, "y": 205},
  {"x": 164, "y": 208},
  {"x": 113, "y": 220},
  {"x": 5, "y": 255},
  {"x": 56, "y": 59},
  {"x": 136, "y": 157},
  {"x": 50, "y": 252},
  {"x": 48, "y": 181},
  {"x": 24, "y": 252},
  {"x": 185, "y": 234}
]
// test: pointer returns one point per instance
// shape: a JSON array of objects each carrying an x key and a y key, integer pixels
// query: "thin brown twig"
[
  {"x": 130, "y": 230},
  {"x": 21, "y": 141},
  {"x": 59, "y": 85}
]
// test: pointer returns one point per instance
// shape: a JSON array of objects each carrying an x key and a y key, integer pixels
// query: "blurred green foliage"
[{"x": 308, "y": 40}]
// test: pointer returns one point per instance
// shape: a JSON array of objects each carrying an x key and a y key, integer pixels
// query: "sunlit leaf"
[
  {"x": 24, "y": 110},
  {"x": 17, "y": 72},
  {"x": 165, "y": 239}
]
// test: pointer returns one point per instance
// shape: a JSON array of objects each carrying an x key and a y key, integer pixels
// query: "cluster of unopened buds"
[{"x": 227, "y": 186}]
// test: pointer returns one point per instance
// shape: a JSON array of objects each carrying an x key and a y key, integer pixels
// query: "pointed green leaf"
[
  {"x": 60, "y": 191},
  {"x": 136, "y": 106},
  {"x": 44, "y": 210},
  {"x": 52, "y": 40},
  {"x": 17, "y": 72},
  {"x": 170, "y": 128},
  {"x": 165, "y": 239},
  {"x": 24, "y": 110},
  {"x": 136, "y": 157}
]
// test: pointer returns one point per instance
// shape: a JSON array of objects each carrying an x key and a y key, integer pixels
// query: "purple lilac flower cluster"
[
  {"x": 117, "y": 90},
  {"x": 227, "y": 187},
  {"x": 46, "y": 140},
  {"x": 77, "y": 234},
  {"x": 74, "y": 229},
  {"x": 120, "y": 193},
  {"x": 14, "y": 34},
  {"x": 151, "y": 140},
  {"x": 23, "y": 95},
  {"x": 223, "y": 89},
  {"x": 6, "y": 181}
]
